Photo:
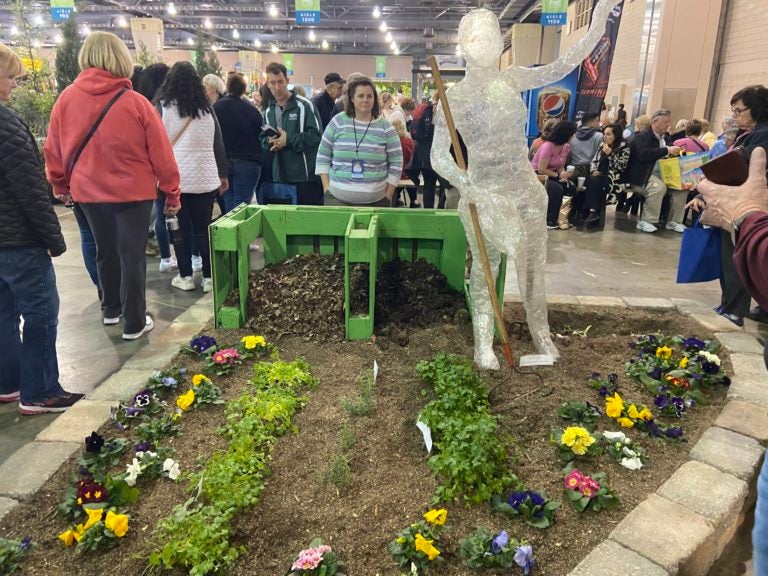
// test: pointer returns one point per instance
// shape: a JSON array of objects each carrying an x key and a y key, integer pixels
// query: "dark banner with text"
[{"x": 596, "y": 69}]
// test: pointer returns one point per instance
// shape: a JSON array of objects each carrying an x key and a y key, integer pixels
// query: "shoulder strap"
[
  {"x": 92, "y": 131},
  {"x": 698, "y": 145},
  {"x": 181, "y": 132}
]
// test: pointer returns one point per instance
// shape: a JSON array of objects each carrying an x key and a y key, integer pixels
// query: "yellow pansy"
[
  {"x": 436, "y": 517},
  {"x": 663, "y": 352},
  {"x": 68, "y": 537},
  {"x": 625, "y": 422},
  {"x": 425, "y": 546},
  {"x": 614, "y": 405},
  {"x": 116, "y": 523},
  {"x": 632, "y": 412},
  {"x": 186, "y": 400},
  {"x": 250, "y": 342},
  {"x": 198, "y": 379},
  {"x": 683, "y": 362},
  {"x": 94, "y": 515},
  {"x": 645, "y": 414}
]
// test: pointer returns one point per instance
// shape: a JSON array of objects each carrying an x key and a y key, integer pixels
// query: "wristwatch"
[{"x": 740, "y": 220}]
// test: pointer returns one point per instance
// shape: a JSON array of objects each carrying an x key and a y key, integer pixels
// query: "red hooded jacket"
[{"x": 129, "y": 155}]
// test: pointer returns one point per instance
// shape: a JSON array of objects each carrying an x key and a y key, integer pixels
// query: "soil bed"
[{"x": 391, "y": 485}]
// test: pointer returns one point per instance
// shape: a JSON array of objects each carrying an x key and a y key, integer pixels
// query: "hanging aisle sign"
[
  {"x": 307, "y": 11},
  {"x": 61, "y": 9},
  {"x": 381, "y": 66},
  {"x": 554, "y": 12},
  {"x": 288, "y": 63}
]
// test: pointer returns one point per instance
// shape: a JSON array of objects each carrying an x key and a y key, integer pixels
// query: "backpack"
[{"x": 423, "y": 130}]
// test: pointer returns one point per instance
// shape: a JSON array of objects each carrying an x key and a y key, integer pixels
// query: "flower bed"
[{"x": 390, "y": 483}]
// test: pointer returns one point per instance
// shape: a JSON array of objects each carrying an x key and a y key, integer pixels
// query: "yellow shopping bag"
[{"x": 670, "y": 173}]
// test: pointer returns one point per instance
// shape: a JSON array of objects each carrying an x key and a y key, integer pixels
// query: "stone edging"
[{"x": 681, "y": 529}]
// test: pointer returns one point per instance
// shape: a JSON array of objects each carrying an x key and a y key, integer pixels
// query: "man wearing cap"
[{"x": 326, "y": 100}]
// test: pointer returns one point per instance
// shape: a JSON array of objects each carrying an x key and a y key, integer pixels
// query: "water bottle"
[{"x": 172, "y": 224}]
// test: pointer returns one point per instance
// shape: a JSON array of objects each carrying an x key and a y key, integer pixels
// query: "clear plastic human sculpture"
[{"x": 490, "y": 116}]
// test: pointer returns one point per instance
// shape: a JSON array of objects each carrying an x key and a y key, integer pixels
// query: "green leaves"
[{"x": 579, "y": 412}]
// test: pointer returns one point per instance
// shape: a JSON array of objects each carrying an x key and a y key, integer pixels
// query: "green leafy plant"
[
  {"x": 155, "y": 430},
  {"x": 486, "y": 550},
  {"x": 364, "y": 404},
  {"x": 625, "y": 451},
  {"x": 531, "y": 506},
  {"x": 339, "y": 472},
  {"x": 347, "y": 438},
  {"x": 589, "y": 492},
  {"x": 67, "y": 67},
  {"x": 317, "y": 560},
  {"x": 470, "y": 459},
  {"x": 417, "y": 545},
  {"x": 576, "y": 442},
  {"x": 579, "y": 412},
  {"x": 12, "y": 552}
]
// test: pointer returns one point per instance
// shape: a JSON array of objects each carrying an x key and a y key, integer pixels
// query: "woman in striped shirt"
[{"x": 360, "y": 158}]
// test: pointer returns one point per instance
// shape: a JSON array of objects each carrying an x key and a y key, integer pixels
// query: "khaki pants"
[{"x": 653, "y": 193}]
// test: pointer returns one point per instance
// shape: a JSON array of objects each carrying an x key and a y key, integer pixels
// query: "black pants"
[
  {"x": 555, "y": 193},
  {"x": 194, "y": 219},
  {"x": 735, "y": 299},
  {"x": 310, "y": 193},
  {"x": 120, "y": 230},
  {"x": 430, "y": 184},
  {"x": 595, "y": 193}
]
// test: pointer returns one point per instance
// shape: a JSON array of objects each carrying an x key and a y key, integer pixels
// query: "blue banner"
[
  {"x": 61, "y": 9},
  {"x": 307, "y": 12},
  {"x": 554, "y": 12},
  {"x": 557, "y": 100}
]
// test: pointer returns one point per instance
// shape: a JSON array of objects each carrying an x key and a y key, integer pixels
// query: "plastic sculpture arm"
[
  {"x": 442, "y": 161},
  {"x": 528, "y": 78}
]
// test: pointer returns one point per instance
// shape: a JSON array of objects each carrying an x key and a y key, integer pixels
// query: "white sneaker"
[
  {"x": 168, "y": 264},
  {"x": 207, "y": 285},
  {"x": 111, "y": 321},
  {"x": 197, "y": 263},
  {"x": 185, "y": 283},
  {"x": 679, "y": 228},
  {"x": 646, "y": 226},
  {"x": 147, "y": 327}
]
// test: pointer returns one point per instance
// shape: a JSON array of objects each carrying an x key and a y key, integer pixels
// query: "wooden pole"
[{"x": 460, "y": 160}]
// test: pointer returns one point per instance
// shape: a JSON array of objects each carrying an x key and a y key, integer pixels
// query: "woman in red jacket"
[{"x": 114, "y": 177}]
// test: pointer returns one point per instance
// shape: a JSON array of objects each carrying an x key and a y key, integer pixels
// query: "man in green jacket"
[{"x": 295, "y": 150}]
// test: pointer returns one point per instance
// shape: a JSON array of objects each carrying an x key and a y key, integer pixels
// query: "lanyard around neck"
[{"x": 357, "y": 144}]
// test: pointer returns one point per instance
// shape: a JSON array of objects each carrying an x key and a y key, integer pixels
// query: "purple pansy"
[
  {"x": 499, "y": 542},
  {"x": 524, "y": 558}
]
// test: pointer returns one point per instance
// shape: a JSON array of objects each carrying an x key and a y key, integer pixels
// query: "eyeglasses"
[
  {"x": 736, "y": 111},
  {"x": 660, "y": 113}
]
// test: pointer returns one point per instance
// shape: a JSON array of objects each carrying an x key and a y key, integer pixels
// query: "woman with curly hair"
[
  {"x": 199, "y": 150},
  {"x": 549, "y": 161}
]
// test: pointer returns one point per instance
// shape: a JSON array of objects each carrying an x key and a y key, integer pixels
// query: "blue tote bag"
[{"x": 699, "y": 255}]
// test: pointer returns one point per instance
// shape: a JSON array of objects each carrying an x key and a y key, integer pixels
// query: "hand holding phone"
[
  {"x": 269, "y": 131},
  {"x": 730, "y": 169}
]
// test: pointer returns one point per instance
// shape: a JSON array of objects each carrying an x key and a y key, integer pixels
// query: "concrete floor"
[{"x": 88, "y": 351}]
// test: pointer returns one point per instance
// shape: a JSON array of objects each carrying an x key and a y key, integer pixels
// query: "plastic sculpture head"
[{"x": 480, "y": 38}]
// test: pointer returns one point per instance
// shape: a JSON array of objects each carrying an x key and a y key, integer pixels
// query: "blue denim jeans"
[
  {"x": 161, "y": 232},
  {"x": 87, "y": 245},
  {"x": 243, "y": 178},
  {"x": 760, "y": 530},
  {"x": 28, "y": 289}
]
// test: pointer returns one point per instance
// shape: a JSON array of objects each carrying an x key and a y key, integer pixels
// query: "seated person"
[
  {"x": 586, "y": 143},
  {"x": 691, "y": 144},
  {"x": 550, "y": 161},
  {"x": 607, "y": 169}
]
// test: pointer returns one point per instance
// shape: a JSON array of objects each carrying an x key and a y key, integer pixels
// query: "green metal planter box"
[{"x": 363, "y": 235}]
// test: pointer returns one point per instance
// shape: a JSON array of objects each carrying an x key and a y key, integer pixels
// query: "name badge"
[{"x": 358, "y": 169}]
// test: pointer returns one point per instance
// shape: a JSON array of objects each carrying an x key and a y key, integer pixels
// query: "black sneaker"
[
  {"x": 758, "y": 315},
  {"x": 58, "y": 403}
]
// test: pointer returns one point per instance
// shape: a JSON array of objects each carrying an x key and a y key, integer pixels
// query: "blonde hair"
[
  {"x": 106, "y": 51},
  {"x": 399, "y": 128},
  {"x": 10, "y": 63},
  {"x": 642, "y": 122},
  {"x": 213, "y": 81},
  {"x": 682, "y": 124}
]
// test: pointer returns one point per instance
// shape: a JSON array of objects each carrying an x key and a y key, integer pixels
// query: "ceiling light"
[
  {"x": 389, "y": 37},
  {"x": 275, "y": 49},
  {"x": 383, "y": 27},
  {"x": 37, "y": 20},
  {"x": 324, "y": 44},
  {"x": 214, "y": 48},
  {"x": 207, "y": 23},
  {"x": 14, "y": 30},
  {"x": 121, "y": 22},
  {"x": 257, "y": 43},
  {"x": 58, "y": 38},
  {"x": 235, "y": 34},
  {"x": 85, "y": 30},
  {"x": 273, "y": 10},
  {"x": 397, "y": 51},
  {"x": 312, "y": 37},
  {"x": 190, "y": 41},
  {"x": 171, "y": 9},
  {"x": 36, "y": 43},
  {"x": 376, "y": 12},
  {"x": 393, "y": 45}
]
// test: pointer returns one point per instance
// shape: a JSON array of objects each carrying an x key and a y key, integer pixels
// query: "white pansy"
[
  {"x": 615, "y": 436},
  {"x": 171, "y": 467},
  {"x": 632, "y": 463},
  {"x": 133, "y": 471},
  {"x": 710, "y": 357},
  {"x": 627, "y": 452}
]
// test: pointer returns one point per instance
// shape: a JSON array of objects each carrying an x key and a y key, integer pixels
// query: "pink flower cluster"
[
  {"x": 226, "y": 356},
  {"x": 576, "y": 480},
  {"x": 310, "y": 558}
]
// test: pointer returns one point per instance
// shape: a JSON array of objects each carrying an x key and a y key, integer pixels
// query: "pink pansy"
[{"x": 574, "y": 479}]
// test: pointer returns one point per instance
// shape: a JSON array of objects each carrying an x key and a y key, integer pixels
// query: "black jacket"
[
  {"x": 326, "y": 106},
  {"x": 26, "y": 213},
  {"x": 644, "y": 153},
  {"x": 240, "y": 124}
]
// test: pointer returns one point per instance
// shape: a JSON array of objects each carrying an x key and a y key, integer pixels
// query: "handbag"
[{"x": 699, "y": 255}]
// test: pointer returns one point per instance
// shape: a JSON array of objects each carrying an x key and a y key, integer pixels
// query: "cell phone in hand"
[
  {"x": 269, "y": 131},
  {"x": 730, "y": 169}
]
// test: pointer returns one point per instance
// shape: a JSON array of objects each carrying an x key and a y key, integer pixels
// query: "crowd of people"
[{"x": 180, "y": 144}]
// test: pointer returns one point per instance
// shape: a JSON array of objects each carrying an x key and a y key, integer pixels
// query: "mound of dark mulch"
[{"x": 305, "y": 296}]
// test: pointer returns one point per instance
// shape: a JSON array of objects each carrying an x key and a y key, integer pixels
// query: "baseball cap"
[{"x": 333, "y": 77}]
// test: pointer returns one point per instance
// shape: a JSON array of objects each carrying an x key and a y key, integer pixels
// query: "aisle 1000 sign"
[{"x": 307, "y": 11}]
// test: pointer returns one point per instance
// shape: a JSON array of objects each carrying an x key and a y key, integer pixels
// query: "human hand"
[
  {"x": 279, "y": 142},
  {"x": 607, "y": 149},
  {"x": 696, "y": 204},
  {"x": 565, "y": 175},
  {"x": 673, "y": 150},
  {"x": 725, "y": 204},
  {"x": 224, "y": 185},
  {"x": 171, "y": 210},
  {"x": 65, "y": 198}
]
